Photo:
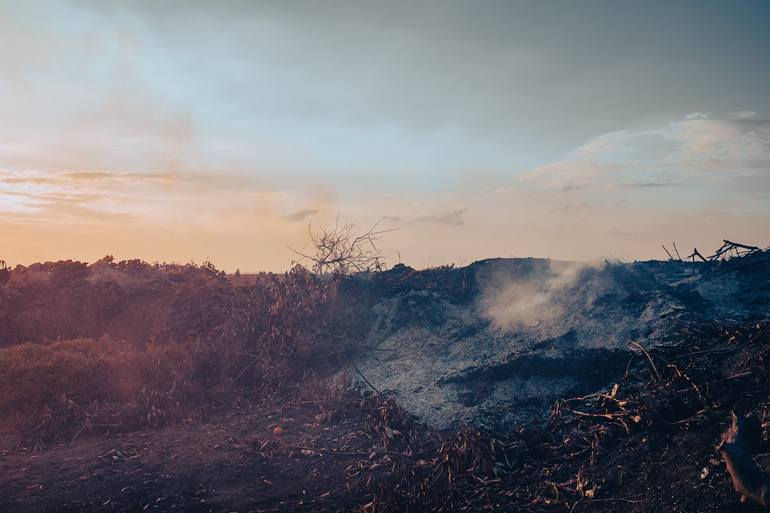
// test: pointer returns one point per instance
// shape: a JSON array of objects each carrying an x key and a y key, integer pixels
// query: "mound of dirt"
[{"x": 496, "y": 342}]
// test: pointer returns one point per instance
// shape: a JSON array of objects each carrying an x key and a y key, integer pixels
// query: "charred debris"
[
  {"x": 655, "y": 439},
  {"x": 726, "y": 251}
]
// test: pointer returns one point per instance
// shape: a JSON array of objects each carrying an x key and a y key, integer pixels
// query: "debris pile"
[
  {"x": 726, "y": 251},
  {"x": 497, "y": 342},
  {"x": 396, "y": 391},
  {"x": 648, "y": 443}
]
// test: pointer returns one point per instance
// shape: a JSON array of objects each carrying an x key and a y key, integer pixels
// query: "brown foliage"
[
  {"x": 144, "y": 345},
  {"x": 94, "y": 385}
]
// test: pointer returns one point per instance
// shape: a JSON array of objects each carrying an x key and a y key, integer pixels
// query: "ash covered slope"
[{"x": 499, "y": 340}]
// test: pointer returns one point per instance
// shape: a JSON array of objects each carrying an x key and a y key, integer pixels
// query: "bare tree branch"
[{"x": 341, "y": 250}]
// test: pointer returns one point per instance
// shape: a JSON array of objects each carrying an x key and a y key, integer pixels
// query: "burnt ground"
[
  {"x": 234, "y": 463},
  {"x": 647, "y": 444},
  {"x": 182, "y": 434},
  {"x": 500, "y": 340}
]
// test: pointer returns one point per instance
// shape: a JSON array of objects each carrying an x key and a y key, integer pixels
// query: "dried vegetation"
[
  {"x": 117, "y": 346},
  {"x": 645, "y": 444}
]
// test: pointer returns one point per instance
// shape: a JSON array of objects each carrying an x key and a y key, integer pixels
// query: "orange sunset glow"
[{"x": 358, "y": 256}]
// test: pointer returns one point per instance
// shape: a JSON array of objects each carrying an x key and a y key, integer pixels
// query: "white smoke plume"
[{"x": 531, "y": 299}]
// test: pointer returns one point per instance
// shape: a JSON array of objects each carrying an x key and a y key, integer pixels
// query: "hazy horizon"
[{"x": 191, "y": 130}]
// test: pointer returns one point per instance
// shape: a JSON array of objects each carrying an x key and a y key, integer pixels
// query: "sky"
[{"x": 225, "y": 130}]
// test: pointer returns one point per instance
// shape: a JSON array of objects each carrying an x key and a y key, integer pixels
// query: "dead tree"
[{"x": 342, "y": 250}]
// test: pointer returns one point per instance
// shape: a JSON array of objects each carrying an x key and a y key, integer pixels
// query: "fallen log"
[{"x": 739, "y": 442}]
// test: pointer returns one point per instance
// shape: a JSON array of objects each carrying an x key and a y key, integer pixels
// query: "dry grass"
[
  {"x": 131, "y": 360},
  {"x": 94, "y": 385}
]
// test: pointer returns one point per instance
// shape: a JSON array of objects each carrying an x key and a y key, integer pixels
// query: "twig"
[
  {"x": 358, "y": 371},
  {"x": 251, "y": 363},
  {"x": 643, "y": 350},
  {"x": 678, "y": 256},
  {"x": 78, "y": 433},
  {"x": 740, "y": 375}
]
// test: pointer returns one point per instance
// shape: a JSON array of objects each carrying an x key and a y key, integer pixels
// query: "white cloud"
[
  {"x": 567, "y": 174},
  {"x": 301, "y": 215},
  {"x": 743, "y": 114},
  {"x": 692, "y": 151},
  {"x": 450, "y": 218}
]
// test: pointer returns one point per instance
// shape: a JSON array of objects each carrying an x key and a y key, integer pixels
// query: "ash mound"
[{"x": 497, "y": 342}]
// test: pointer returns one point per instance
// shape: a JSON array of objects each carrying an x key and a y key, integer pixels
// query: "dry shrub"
[
  {"x": 193, "y": 341},
  {"x": 130, "y": 300},
  {"x": 290, "y": 327},
  {"x": 342, "y": 249},
  {"x": 57, "y": 390}
]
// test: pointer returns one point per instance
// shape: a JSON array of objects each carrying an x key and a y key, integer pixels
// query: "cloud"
[
  {"x": 567, "y": 175},
  {"x": 594, "y": 147},
  {"x": 76, "y": 198},
  {"x": 569, "y": 208},
  {"x": 451, "y": 218},
  {"x": 81, "y": 214},
  {"x": 66, "y": 209},
  {"x": 743, "y": 114},
  {"x": 644, "y": 185},
  {"x": 101, "y": 196},
  {"x": 111, "y": 175},
  {"x": 70, "y": 178},
  {"x": 693, "y": 151},
  {"x": 60, "y": 207},
  {"x": 301, "y": 215}
]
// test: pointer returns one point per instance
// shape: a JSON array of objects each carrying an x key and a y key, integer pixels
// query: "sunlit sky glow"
[{"x": 200, "y": 129}]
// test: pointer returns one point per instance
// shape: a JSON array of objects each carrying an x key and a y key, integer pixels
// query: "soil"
[
  {"x": 236, "y": 463},
  {"x": 594, "y": 428},
  {"x": 646, "y": 445}
]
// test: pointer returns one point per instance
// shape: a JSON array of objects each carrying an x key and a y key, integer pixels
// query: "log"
[{"x": 739, "y": 442}]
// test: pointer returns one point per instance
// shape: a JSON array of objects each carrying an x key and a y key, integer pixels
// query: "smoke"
[{"x": 539, "y": 296}]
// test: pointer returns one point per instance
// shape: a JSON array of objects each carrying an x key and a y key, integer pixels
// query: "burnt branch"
[{"x": 342, "y": 250}]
